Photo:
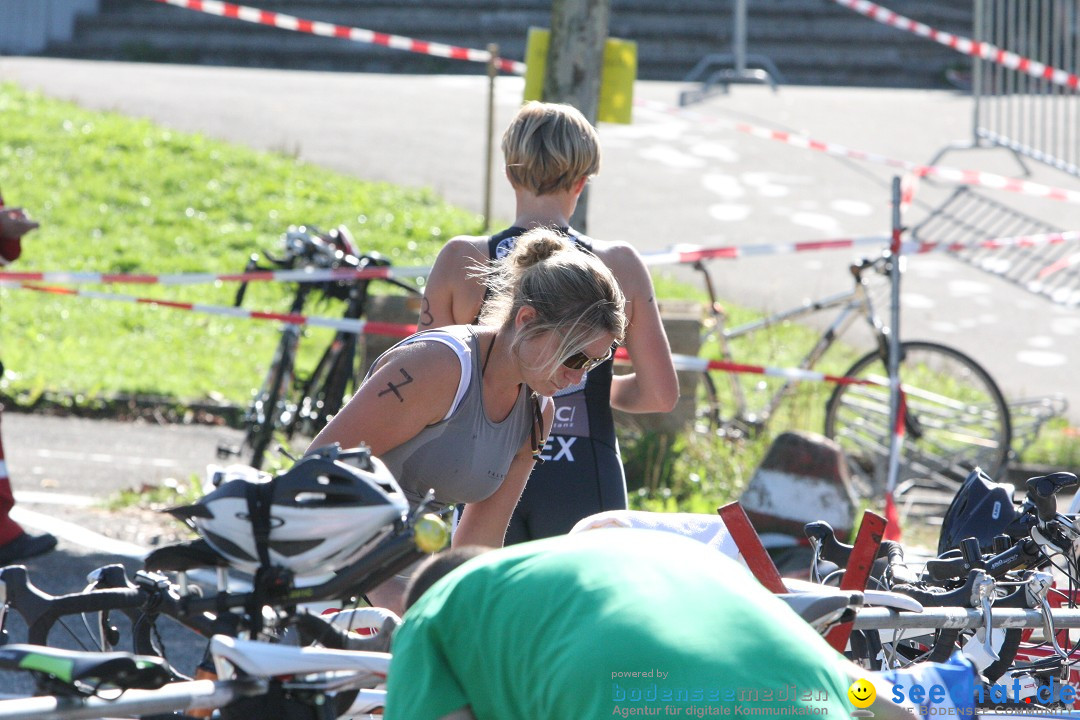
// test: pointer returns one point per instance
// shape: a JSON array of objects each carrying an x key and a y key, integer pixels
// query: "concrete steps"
[{"x": 810, "y": 41}]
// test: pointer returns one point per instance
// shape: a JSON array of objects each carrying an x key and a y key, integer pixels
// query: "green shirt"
[{"x": 607, "y": 623}]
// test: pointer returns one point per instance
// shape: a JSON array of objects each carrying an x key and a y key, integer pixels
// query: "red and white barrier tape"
[
  {"x": 692, "y": 253},
  {"x": 692, "y": 363},
  {"x": 962, "y": 177},
  {"x": 343, "y": 324},
  {"x": 909, "y": 185},
  {"x": 312, "y": 275},
  {"x": 678, "y": 254},
  {"x": 926, "y": 246},
  {"x": 964, "y": 45},
  {"x": 959, "y": 176},
  {"x": 325, "y": 29},
  {"x": 682, "y": 362},
  {"x": 1062, "y": 264}
]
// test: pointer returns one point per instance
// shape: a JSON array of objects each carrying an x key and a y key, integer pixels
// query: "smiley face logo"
[{"x": 862, "y": 693}]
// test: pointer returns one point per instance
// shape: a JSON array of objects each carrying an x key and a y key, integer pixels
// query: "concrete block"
[
  {"x": 682, "y": 323},
  {"x": 395, "y": 309},
  {"x": 803, "y": 478}
]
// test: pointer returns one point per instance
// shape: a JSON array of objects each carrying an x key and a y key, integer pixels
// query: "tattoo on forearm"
[
  {"x": 392, "y": 388},
  {"x": 651, "y": 299},
  {"x": 426, "y": 318}
]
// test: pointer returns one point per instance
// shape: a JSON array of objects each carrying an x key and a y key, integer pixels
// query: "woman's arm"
[
  {"x": 485, "y": 522},
  {"x": 653, "y": 386},
  {"x": 413, "y": 388},
  {"x": 451, "y": 296}
]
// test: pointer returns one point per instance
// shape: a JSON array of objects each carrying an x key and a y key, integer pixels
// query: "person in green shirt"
[{"x": 609, "y": 623}]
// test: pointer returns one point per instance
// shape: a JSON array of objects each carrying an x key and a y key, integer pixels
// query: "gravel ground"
[{"x": 146, "y": 528}]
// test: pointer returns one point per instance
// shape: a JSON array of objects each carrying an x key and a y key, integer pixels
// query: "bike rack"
[
  {"x": 878, "y": 618},
  {"x": 749, "y": 544},
  {"x": 867, "y": 542},
  {"x": 733, "y": 66}
]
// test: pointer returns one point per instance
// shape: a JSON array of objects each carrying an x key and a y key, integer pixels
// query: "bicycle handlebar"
[
  {"x": 152, "y": 594},
  {"x": 1043, "y": 490},
  {"x": 1025, "y": 553},
  {"x": 308, "y": 246},
  {"x": 40, "y": 610}
]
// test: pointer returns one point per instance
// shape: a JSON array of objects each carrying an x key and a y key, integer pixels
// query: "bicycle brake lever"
[
  {"x": 982, "y": 594},
  {"x": 1037, "y": 591},
  {"x": 815, "y": 547}
]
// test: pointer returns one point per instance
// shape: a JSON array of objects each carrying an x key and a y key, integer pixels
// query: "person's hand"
[{"x": 14, "y": 223}]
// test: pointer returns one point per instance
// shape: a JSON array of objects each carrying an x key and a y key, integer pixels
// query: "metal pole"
[
  {"x": 489, "y": 155},
  {"x": 896, "y": 441},
  {"x": 739, "y": 39},
  {"x": 879, "y": 618},
  {"x": 977, "y": 70}
]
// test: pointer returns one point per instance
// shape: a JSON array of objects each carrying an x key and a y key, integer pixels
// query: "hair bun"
[{"x": 538, "y": 245}]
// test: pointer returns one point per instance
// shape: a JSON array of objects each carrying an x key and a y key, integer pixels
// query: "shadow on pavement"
[{"x": 65, "y": 571}]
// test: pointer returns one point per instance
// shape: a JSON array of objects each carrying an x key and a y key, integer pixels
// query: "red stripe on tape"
[
  {"x": 166, "y": 303},
  {"x": 823, "y": 244},
  {"x": 284, "y": 317},
  {"x": 383, "y": 328}
]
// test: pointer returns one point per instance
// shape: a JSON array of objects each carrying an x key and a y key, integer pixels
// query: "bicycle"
[
  {"x": 956, "y": 416},
  {"x": 259, "y": 679},
  {"x": 286, "y": 402},
  {"x": 267, "y": 609},
  {"x": 1008, "y": 573}
]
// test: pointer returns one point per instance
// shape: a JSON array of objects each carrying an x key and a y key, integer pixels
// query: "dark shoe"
[{"x": 25, "y": 547}]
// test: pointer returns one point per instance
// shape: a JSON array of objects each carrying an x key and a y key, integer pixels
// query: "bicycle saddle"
[
  {"x": 822, "y": 610},
  {"x": 264, "y": 659},
  {"x": 88, "y": 671},
  {"x": 184, "y": 556},
  {"x": 883, "y": 598}
]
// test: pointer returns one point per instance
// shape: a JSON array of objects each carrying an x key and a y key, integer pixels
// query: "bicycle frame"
[
  {"x": 248, "y": 669},
  {"x": 190, "y": 695},
  {"x": 286, "y": 402},
  {"x": 337, "y": 372},
  {"x": 151, "y": 595},
  {"x": 851, "y": 304}
]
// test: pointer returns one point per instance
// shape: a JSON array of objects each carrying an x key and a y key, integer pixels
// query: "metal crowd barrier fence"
[{"x": 1031, "y": 116}]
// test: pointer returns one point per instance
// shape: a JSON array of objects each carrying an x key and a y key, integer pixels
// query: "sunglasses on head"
[{"x": 581, "y": 361}]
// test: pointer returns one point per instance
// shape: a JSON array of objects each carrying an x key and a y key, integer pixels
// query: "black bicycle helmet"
[
  {"x": 316, "y": 517},
  {"x": 981, "y": 509}
]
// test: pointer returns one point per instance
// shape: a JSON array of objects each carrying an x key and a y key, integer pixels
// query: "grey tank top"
[{"x": 465, "y": 457}]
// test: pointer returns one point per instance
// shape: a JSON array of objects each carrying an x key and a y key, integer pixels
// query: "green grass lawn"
[{"x": 115, "y": 194}]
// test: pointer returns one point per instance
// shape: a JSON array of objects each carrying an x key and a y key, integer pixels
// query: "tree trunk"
[{"x": 575, "y": 60}]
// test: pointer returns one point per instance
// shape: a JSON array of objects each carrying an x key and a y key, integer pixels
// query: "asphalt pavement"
[{"x": 62, "y": 468}]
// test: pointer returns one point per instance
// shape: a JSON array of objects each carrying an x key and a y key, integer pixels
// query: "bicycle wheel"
[
  {"x": 956, "y": 419},
  {"x": 897, "y": 650},
  {"x": 323, "y": 394},
  {"x": 271, "y": 409}
]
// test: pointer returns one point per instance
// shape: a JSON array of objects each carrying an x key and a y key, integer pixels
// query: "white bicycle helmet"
[{"x": 316, "y": 517}]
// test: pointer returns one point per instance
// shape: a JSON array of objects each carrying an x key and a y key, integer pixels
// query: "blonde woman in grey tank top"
[{"x": 554, "y": 313}]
